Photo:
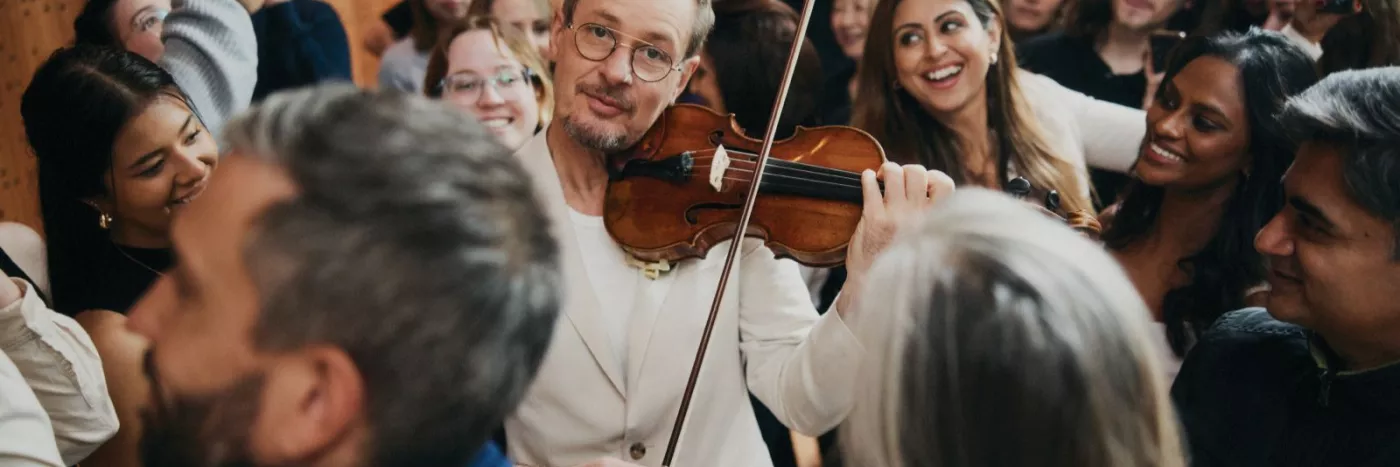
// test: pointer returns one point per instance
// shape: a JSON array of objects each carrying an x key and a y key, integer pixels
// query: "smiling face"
[
  {"x": 1331, "y": 261},
  {"x": 942, "y": 53},
  {"x": 1198, "y": 131},
  {"x": 850, "y": 22},
  {"x": 486, "y": 80},
  {"x": 138, "y": 25},
  {"x": 1144, "y": 15},
  {"x": 602, "y": 104},
  {"x": 161, "y": 160}
]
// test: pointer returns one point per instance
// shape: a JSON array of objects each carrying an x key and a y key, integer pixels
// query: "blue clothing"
[
  {"x": 300, "y": 42},
  {"x": 490, "y": 456}
]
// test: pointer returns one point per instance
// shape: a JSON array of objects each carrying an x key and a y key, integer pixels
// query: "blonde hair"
[
  {"x": 513, "y": 40},
  {"x": 909, "y": 133},
  {"x": 997, "y": 336}
]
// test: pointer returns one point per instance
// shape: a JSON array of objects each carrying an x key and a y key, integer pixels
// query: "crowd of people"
[{"x": 249, "y": 260}]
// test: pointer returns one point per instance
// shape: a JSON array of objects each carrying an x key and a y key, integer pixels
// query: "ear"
[
  {"x": 688, "y": 67},
  {"x": 994, "y": 34},
  {"x": 313, "y": 403},
  {"x": 556, "y": 34}
]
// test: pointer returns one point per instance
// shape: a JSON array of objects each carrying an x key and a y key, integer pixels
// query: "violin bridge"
[
  {"x": 652, "y": 270},
  {"x": 718, "y": 167}
]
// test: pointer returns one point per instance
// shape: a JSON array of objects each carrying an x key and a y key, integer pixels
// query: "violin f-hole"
[
  {"x": 692, "y": 212},
  {"x": 717, "y": 137}
]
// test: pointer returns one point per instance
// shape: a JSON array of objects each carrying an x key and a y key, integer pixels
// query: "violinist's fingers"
[
  {"x": 915, "y": 185},
  {"x": 870, "y": 189},
  {"x": 893, "y": 176},
  {"x": 940, "y": 185}
]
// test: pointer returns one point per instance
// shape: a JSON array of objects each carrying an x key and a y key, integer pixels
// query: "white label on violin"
[{"x": 718, "y": 167}]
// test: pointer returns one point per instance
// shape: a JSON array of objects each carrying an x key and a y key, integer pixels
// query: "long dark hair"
[
  {"x": 1271, "y": 68},
  {"x": 911, "y": 135},
  {"x": 749, "y": 48},
  {"x": 93, "y": 26},
  {"x": 73, "y": 110}
]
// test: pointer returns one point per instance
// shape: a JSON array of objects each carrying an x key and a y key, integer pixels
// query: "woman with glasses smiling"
[{"x": 495, "y": 74}]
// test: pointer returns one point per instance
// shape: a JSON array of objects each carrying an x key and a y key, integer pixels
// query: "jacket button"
[{"x": 638, "y": 451}]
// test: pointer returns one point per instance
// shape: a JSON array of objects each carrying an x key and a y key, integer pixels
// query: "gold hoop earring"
[{"x": 104, "y": 220}]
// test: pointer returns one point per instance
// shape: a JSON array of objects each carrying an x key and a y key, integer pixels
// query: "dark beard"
[{"x": 203, "y": 431}]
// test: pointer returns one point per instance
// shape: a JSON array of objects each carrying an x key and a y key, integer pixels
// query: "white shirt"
[
  {"x": 403, "y": 67},
  {"x": 1312, "y": 48},
  {"x": 60, "y": 367},
  {"x": 613, "y": 280},
  {"x": 25, "y": 433}
]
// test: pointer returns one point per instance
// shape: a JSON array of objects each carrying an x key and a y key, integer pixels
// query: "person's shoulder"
[
  {"x": 1256, "y": 323},
  {"x": 1248, "y": 337},
  {"x": 315, "y": 9}
]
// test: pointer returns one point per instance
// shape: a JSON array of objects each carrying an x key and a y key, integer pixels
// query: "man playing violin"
[{"x": 613, "y": 380}]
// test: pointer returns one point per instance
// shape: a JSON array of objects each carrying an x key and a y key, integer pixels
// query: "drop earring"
[
  {"x": 994, "y": 58},
  {"x": 104, "y": 220}
]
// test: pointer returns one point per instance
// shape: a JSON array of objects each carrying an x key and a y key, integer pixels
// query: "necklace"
[{"x": 138, "y": 262}]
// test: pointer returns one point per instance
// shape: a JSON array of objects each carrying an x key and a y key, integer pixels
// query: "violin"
[
  {"x": 696, "y": 180},
  {"x": 682, "y": 189}
]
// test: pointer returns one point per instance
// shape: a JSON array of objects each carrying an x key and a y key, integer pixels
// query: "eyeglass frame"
[
  {"x": 526, "y": 74},
  {"x": 632, "y": 58}
]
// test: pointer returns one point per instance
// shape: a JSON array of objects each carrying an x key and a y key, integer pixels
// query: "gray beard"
[{"x": 596, "y": 140}]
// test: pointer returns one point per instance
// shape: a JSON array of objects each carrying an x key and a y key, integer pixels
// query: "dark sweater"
[
  {"x": 1259, "y": 392},
  {"x": 300, "y": 42}
]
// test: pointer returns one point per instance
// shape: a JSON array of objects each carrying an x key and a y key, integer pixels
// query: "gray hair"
[
  {"x": 989, "y": 324},
  {"x": 699, "y": 30},
  {"x": 417, "y": 245},
  {"x": 1358, "y": 111}
]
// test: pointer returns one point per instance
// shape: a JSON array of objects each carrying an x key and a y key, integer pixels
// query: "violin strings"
[
  {"x": 780, "y": 173},
  {"x": 815, "y": 169}
]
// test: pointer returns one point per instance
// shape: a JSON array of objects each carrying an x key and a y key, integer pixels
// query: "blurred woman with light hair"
[{"x": 1000, "y": 337}]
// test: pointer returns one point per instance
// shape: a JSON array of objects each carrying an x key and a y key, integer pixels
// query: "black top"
[
  {"x": 116, "y": 281},
  {"x": 835, "y": 101},
  {"x": 300, "y": 42},
  {"x": 1075, "y": 64},
  {"x": 1259, "y": 392}
]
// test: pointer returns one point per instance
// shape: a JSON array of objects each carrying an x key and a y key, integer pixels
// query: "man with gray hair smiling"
[
  {"x": 367, "y": 281},
  {"x": 1313, "y": 379}
]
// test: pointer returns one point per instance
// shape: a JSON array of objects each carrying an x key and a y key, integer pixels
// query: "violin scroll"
[{"x": 1049, "y": 203}]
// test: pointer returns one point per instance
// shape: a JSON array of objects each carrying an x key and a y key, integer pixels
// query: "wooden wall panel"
[{"x": 31, "y": 29}]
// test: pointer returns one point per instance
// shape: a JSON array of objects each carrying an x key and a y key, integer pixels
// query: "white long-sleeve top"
[{"x": 59, "y": 367}]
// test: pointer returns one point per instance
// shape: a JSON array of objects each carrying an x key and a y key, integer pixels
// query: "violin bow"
[{"x": 799, "y": 38}]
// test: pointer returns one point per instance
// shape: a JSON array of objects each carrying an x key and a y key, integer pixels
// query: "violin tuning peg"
[
  {"x": 1052, "y": 200},
  {"x": 1019, "y": 187}
]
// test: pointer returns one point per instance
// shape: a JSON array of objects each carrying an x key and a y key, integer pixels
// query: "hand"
[
  {"x": 9, "y": 292},
  {"x": 909, "y": 192},
  {"x": 608, "y": 462},
  {"x": 1154, "y": 80}
]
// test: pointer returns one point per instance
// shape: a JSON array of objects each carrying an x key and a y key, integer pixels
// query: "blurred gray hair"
[
  {"x": 417, "y": 245},
  {"x": 997, "y": 336},
  {"x": 1358, "y": 111}
]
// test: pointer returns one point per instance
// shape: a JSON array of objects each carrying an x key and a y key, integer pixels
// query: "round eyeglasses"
[
  {"x": 471, "y": 85},
  {"x": 597, "y": 42}
]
